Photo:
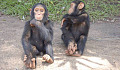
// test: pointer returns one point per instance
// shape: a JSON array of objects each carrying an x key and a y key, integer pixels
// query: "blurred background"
[{"x": 97, "y": 9}]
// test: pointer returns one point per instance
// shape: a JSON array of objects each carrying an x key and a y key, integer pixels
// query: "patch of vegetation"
[{"x": 97, "y": 9}]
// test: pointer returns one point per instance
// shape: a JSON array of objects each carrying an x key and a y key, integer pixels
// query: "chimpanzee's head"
[
  {"x": 76, "y": 7},
  {"x": 39, "y": 12}
]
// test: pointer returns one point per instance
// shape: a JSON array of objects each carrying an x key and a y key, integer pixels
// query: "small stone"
[{"x": 113, "y": 20}]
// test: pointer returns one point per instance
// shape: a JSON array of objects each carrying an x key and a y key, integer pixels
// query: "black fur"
[
  {"x": 76, "y": 27},
  {"x": 40, "y": 36}
]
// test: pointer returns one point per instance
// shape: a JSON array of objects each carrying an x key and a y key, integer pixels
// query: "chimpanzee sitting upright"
[
  {"x": 37, "y": 36},
  {"x": 75, "y": 27}
]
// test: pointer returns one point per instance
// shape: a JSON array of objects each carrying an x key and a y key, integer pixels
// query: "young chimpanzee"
[
  {"x": 75, "y": 27},
  {"x": 37, "y": 36}
]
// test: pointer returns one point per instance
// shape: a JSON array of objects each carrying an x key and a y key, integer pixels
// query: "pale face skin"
[{"x": 39, "y": 12}]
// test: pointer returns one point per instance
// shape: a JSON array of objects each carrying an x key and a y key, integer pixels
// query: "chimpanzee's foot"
[
  {"x": 67, "y": 52},
  {"x": 47, "y": 58},
  {"x": 72, "y": 47},
  {"x": 76, "y": 54},
  {"x": 29, "y": 63}
]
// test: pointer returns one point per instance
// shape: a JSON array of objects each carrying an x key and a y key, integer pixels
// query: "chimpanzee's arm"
[
  {"x": 78, "y": 19},
  {"x": 65, "y": 27},
  {"x": 49, "y": 26},
  {"x": 25, "y": 38},
  {"x": 46, "y": 31}
]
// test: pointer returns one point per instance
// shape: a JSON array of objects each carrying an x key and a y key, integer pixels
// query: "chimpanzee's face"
[{"x": 39, "y": 12}]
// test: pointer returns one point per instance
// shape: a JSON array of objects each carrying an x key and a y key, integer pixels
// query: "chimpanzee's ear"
[
  {"x": 81, "y": 5},
  {"x": 30, "y": 11}
]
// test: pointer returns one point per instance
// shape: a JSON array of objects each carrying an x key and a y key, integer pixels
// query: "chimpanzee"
[
  {"x": 38, "y": 36},
  {"x": 75, "y": 28}
]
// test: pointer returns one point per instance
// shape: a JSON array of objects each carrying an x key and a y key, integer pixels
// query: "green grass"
[{"x": 97, "y": 9}]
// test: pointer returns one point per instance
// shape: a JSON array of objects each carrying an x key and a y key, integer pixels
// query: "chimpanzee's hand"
[
  {"x": 35, "y": 22},
  {"x": 32, "y": 22}
]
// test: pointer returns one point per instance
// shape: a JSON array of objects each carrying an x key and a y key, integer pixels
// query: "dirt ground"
[{"x": 102, "y": 50}]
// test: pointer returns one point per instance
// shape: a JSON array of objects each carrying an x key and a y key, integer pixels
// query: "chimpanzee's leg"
[
  {"x": 69, "y": 43},
  {"x": 65, "y": 39},
  {"x": 80, "y": 45},
  {"x": 29, "y": 59},
  {"x": 48, "y": 56}
]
